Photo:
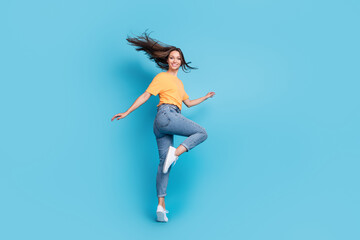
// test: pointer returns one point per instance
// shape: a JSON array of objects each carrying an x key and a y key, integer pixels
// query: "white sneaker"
[
  {"x": 161, "y": 214},
  {"x": 170, "y": 159}
]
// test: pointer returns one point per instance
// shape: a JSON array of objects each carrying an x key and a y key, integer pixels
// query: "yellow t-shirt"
[{"x": 170, "y": 89}]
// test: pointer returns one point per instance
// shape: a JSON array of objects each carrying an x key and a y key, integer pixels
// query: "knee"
[{"x": 205, "y": 135}]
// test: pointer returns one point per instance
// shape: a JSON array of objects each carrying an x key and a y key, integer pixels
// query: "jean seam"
[{"x": 168, "y": 118}]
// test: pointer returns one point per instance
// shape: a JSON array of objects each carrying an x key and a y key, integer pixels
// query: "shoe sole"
[
  {"x": 167, "y": 155},
  {"x": 160, "y": 217}
]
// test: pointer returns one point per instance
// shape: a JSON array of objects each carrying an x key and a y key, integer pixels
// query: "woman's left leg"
[{"x": 164, "y": 141}]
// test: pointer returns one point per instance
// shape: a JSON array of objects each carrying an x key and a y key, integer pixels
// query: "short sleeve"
[
  {"x": 155, "y": 86},
  {"x": 185, "y": 96}
]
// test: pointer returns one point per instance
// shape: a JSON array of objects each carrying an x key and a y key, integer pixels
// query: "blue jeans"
[{"x": 169, "y": 122}]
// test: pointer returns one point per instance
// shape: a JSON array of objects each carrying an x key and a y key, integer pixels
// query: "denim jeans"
[{"x": 169, "y": 122}]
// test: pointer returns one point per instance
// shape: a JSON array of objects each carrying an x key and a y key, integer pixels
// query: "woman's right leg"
[
  {"x": 180, "y": 125},
  {"x": 167, "y": 123}
]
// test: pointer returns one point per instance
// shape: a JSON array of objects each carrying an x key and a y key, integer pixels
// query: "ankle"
[
  {"x": 180, "y": 150},
  {"x": 162, "y": 204},
  {"x": 177, "y": 153}
]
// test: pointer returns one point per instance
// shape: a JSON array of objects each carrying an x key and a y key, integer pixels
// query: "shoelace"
[{"x": 166, "y": 211}]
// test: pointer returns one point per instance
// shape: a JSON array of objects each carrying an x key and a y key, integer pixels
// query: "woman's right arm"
[{"x": 138, "y": 102}]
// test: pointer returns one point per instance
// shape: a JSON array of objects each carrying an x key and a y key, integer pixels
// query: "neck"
[{"x": 173, "y": 72}]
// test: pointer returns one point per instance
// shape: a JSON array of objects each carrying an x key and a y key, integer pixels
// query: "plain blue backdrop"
[{"x": 282, "y": 157}]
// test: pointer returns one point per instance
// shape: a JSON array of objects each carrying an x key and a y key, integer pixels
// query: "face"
[{"x": 174, "y": 60}]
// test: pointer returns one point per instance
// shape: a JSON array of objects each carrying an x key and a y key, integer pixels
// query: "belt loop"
[{"x": 173, "y": 106}]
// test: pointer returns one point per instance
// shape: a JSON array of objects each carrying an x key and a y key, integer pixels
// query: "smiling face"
[{"x": 174, "y": 60}]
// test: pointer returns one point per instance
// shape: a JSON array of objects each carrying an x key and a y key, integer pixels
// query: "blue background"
[{"x": 282, "y": 157}]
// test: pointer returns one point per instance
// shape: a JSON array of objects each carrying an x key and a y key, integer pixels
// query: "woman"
[{"x": 168, "y": 121}]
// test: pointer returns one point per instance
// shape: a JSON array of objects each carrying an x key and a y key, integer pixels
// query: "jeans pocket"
[{"x": 162, "y": 119}]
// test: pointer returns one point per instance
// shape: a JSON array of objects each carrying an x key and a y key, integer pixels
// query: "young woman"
[{"x": 169, "y": 121}]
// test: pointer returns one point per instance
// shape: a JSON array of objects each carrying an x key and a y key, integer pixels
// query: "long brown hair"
[{"x": 157, "y": 51}]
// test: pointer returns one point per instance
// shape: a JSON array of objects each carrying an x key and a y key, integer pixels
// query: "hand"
[
  {"x": 119, "y": 116},
  {"x": 210, "y": 94}
]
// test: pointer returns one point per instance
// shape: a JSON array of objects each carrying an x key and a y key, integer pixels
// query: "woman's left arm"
[{"x": 191, "y": 103}]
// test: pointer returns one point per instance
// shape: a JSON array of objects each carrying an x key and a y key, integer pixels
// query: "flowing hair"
[{"x": 157, "y": 51}]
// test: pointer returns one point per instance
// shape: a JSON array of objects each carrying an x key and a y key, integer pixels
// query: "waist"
[{"x": 168, "y": 105}]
